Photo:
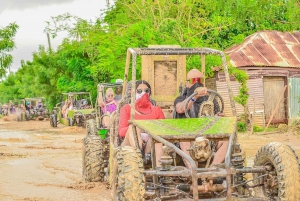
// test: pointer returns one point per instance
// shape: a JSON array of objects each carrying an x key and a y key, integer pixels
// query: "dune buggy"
[
  {"x": 4, "y": 110},
  {"x": 79, "y": 110},
  {"x": 19, "y": 108},
  {"x": 275, "y": 174},
  {"x": 36, "y": 109}
]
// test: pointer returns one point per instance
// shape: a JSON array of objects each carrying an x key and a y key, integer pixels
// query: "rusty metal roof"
[{"x": 267, "y": 48}]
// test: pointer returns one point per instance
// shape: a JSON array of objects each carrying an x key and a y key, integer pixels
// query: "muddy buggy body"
[
  {"x": 34, "y": 111},
  {"x": 81, "y": 110},
  {"x": 4, "y": 110},
  {"x": 98, "y": 130},
  {"x": 19, "y": 106},
  {"x": 102, "y": 112},
  {"x": 134, "y": 175}
]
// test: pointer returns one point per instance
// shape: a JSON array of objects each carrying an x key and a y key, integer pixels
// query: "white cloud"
[
  {"x": 32, "y": 22},
  {"x": 25, "y": 4}
]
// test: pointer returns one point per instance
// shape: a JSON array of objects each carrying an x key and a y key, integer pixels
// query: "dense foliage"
[
  {"x": 96, "y": 51},
  {"x": 7, "y": 44}
]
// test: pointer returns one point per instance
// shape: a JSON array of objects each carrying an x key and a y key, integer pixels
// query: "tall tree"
[
  {"x": 7, "y": 44},
  {"x": 96, "y": 51}
]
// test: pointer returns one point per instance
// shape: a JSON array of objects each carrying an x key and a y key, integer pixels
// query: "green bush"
[
  {"x": 257, "y": 129},
  {"x": 241, "y": 126}
]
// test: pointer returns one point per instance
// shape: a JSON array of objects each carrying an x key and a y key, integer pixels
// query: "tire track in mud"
[
  {"x": 72, "y": 175},
  {"x": 50, "y": 147},
  {"x": 44, "y": 164},
  {"x": 76, "y": 186}
]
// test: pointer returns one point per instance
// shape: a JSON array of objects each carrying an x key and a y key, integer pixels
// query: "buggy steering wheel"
[{"x": 207, "y": 106}]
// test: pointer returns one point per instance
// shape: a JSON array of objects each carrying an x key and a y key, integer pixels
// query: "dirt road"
[{"x": 38, "y": 162}]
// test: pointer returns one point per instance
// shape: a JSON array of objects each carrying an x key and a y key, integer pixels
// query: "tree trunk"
[{"x": 248, "y": 121}]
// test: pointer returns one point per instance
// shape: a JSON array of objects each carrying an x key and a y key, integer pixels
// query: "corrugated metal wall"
[
  {"x": 255, "y": 95},
  {"x": 294, "y": 95}
]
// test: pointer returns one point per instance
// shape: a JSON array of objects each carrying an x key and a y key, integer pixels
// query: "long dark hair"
[{"x": 138, "y": 82}]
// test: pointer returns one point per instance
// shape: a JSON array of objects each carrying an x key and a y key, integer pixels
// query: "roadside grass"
[{"x": 256, "y": 129}]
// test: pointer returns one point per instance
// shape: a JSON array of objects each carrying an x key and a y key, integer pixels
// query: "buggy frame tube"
[
  {"x": 193, "y": 171},
  {"x": 126, "y": 72},
  {"x": 181, "y": 51},
  {"x": 176, "y": 51},
  {"x": 132, "y": 104},
  {"x": 227, "y": 165}
]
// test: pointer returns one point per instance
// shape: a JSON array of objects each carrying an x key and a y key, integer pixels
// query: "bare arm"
[
  {"x": 180, "y": 106},
  {"x": 100, "y": 97}
]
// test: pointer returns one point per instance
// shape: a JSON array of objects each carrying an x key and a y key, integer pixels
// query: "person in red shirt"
[{"x": 144, "y": 109}]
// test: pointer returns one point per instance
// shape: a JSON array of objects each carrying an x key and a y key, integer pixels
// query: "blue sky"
[{"x": 31, "y": 15}]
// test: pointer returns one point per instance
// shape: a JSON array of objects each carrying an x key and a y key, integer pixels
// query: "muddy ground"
[{"x": 38, "y": 162}]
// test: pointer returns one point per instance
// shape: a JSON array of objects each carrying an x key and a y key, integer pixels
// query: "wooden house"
[{"x": 272, "y": 61}]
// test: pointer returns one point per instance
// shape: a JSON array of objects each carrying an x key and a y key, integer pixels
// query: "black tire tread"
[
  {"x": 91, "y": 127},
  {"x": 287, "y": 168},
  {"x": 27, "y": 115},
  {"x": 93, "y": 160},
  {"x": 131, "y": 180},
  {"x": 53, "y": 121}
]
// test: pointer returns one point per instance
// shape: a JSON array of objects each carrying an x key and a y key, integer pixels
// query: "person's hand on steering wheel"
[
  {"x": 220, "y": 114},
  {"x": 201, "y": 91}
]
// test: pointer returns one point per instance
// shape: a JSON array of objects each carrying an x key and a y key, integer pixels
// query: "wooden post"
[
  {"x": 253, "y": 116},
  {"x": 276, "y": 108},
  {"x": 203, "y": 68}
]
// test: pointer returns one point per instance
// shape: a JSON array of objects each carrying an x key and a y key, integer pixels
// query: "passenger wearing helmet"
[
  {"x": 84, "y": 104},
  {"x": 28, "y": 105},
  {"x": 194, "y": 84}
]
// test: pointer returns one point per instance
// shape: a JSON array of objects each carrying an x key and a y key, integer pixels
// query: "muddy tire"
[
  {"x": 284, "y": 167},
  {"x": 71, "y": 122},
  {"x": 53, "y": 120},
  {"x": 93, "y": 163},
  {"x": 91, "y": 127},
  {"x": 27, "y": 115},
  {"x": 78, "y": 121},
  {"x": 130, "y": 181},
  {"x": 19, "y": 117},
  {"x": 83, "y": 124}
]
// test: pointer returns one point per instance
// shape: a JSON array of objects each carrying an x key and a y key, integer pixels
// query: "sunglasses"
[
  {"x": 139, "y": 91},
  {"x": 194, "y": 80},
  {"x": 110, "y": 95}
]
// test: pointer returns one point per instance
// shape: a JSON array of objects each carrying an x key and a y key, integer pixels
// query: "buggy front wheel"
[
  {"x": 27, "y": 115},
  {"x": 282, "y": 181},
  {"x": 93, "y": 159},
  {"x": 128, "y": 178},
  {"x": 53, "y": 120}
]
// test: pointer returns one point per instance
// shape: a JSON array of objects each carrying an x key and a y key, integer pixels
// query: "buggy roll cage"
[
  {"x": 134, "y": 52},
  {"x": 36, "y": 99},
  {"x": 72, "y": 94},
  {"x": 106, "y": 85}
]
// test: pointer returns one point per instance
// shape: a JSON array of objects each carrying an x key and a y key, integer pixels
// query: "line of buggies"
[{"x": 26, "y": 109}]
